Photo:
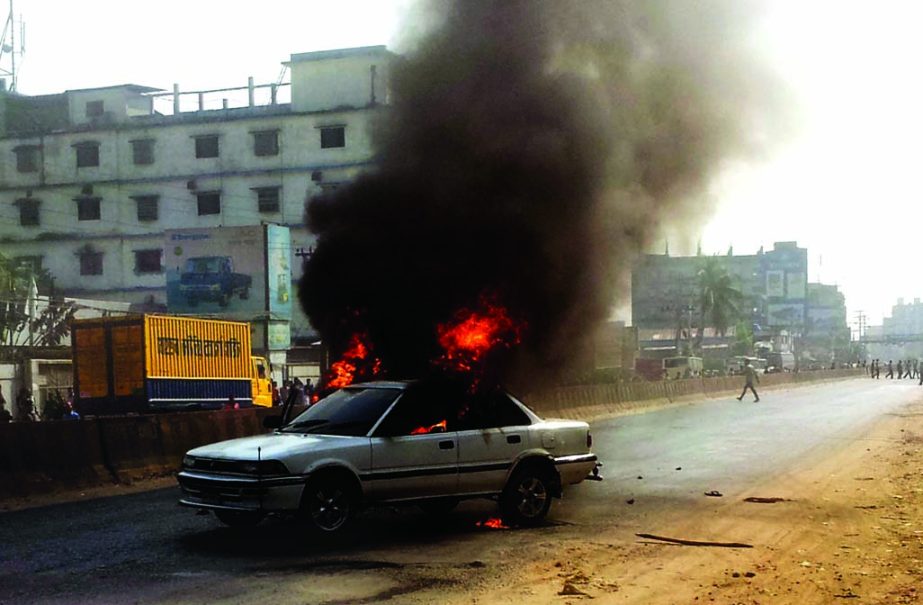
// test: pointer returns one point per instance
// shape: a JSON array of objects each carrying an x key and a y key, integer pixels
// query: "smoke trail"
[{"x": 532, "y": 148}]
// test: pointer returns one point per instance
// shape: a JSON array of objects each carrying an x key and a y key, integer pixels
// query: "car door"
[
  {"x": 492, "y": 433},
  {"x": 414, "y": 450}
]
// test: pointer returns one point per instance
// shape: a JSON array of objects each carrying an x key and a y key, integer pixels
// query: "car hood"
[{"x": 275, "y": 446}]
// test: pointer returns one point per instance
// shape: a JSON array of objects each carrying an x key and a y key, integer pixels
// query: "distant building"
[
  {"x": 91, "y": 179},
  {"x": 906, "y": 319},
  {"x": 826, "y": 334},
  {"x": 664, "y": 289}
]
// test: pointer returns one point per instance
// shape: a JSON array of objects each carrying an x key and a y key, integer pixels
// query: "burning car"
[{"x": 392, "y": 442}]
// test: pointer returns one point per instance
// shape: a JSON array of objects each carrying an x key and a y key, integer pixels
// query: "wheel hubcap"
[
  {"x": 330, "y": 510},
  {"x": 532, "y": 497}
]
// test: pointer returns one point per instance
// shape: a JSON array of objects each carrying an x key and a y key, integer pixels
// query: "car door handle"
[
  {"x": 446, "y": 445},
  {"x": 514, "y": 439}
]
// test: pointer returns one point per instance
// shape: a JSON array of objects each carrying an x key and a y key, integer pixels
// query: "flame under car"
[{"x": 388, "y": 442}]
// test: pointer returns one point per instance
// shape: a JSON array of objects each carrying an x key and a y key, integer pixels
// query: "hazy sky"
[{"x": 844, "y": 186}]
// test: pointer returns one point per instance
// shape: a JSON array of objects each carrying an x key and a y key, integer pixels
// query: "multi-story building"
[
  {"x": 826, "y": 332},
  {"x": 664, "y": 288},
  {"x": 906, "y": 319},
  {"x": 91, "y": 179}
]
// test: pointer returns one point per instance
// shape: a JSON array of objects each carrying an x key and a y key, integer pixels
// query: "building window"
[
  {"x": 94, "y": 109},
  {"x": 209, "y": 202},
  {"x": 147, "y": 208},
  {"x": 26, "y": 158},
  {"x": 267, "y": 199},
  {"x": 142, "y": 152},
  {"x": 91, "y": 262},
  {"x": 266, "y": 142},
  {"x": 87, "y": 154},
  {"x": 332, "y": 136},
  {"x": 148, "y": 261},
  {"x": 88, "y": 208},
  {"x": 206, "y": 146},
  {"x": 28, "y": 212}
]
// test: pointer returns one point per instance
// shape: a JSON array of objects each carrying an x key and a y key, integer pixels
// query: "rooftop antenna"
[{"x": 9, "y": 48}]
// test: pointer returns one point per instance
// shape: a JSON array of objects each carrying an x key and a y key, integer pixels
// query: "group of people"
[
  {"x": 294, "y": 391},
  {"x": 25, "y": 407},
  {"x": 910, "y": 368}
]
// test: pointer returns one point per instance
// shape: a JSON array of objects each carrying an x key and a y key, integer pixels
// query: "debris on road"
[
  {"x": 631, "y": 501},
  {"x": 714, "y": 493},
  {"x": 759, "y": 500},
  {"x": 695, "y": 542}
]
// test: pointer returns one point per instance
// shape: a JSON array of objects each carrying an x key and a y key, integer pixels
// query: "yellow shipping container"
[{"x": 187, "y": 347}]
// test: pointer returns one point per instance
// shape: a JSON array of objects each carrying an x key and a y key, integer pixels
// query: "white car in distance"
[{"x": 389, "y": 442}]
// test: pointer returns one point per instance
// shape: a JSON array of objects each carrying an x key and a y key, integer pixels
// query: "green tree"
[
  {"x": 743, "y": 339},
  {"x": 43, "y": 321},
  {"x": 719, "y": 301}
]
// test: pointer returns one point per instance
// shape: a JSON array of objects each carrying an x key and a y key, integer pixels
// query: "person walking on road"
[
  {"x": 750, "y": 376},
  {"x": 890, "y": 373},
  {"x": 900, "y": 369}
]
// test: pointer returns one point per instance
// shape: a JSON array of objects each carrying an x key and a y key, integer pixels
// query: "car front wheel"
[
  {"x": 328, "y": 504},
  {"x": 527, "y": 497}
]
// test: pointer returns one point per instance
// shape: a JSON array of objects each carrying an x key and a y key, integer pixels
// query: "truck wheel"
[
  {"x": 239, "y": 518},
  {"x": 328, "y": 504},
  {"x": 527, "y": 496}
]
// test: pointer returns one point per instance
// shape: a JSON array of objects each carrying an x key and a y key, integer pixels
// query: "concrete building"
[
  {"x": 664, "y": 289},
  {"x": 91, "y": 179},
  {"x": 826, "y": 334},
  {"x": 906, "y": 319}
]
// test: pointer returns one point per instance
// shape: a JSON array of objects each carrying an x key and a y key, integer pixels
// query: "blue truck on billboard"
[{"x": 235, "y": 272}]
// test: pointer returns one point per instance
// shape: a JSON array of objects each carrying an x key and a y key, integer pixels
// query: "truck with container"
[{"x": 152, "y": 363}]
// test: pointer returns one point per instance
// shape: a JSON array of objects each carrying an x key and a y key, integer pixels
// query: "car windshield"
[
  {"x": 350, "y": 411},
  {"x": 202, "y": 265}
]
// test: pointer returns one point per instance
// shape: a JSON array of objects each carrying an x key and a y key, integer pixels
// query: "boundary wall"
[{"x": 45, "y": 457}]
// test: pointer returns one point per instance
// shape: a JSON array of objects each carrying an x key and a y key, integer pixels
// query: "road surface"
[{"x": 658, "y": 465}]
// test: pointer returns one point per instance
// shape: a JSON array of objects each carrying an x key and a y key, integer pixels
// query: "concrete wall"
[{"x": 50, "y": 456}]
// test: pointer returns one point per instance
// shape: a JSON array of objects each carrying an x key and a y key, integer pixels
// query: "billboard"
[
  {"x": 785, "y": 315},
  {"x": 775, "y": 284},
  {"x": 796, "y": 285},
  {"x": 235, "y": 272}
]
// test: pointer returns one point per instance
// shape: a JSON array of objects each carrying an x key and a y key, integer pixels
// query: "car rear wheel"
[
  {"x": 328, "y": 504},
  {"x": 239, "y": 518},
  {"x": 527, "y": 496}
]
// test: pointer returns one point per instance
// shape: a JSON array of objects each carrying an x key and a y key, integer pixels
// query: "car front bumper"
[{"x": 241, "y": 493}]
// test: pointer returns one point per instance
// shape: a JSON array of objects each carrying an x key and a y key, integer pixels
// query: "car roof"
[{"x": 381, "y": 384}]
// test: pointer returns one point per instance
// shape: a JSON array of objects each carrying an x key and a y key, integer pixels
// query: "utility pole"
[{"x": 861, "y": 318}]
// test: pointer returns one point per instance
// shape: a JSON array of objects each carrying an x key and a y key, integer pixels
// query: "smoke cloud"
[{"x": 531, "y": 150}]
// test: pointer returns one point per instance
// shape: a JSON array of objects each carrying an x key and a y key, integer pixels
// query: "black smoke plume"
[{"x": 531, "y": 149}]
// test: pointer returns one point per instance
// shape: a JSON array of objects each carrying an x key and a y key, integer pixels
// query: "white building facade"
[{"x": 90, "y": 202}]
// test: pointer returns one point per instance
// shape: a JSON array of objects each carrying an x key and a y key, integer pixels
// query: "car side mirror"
[{"x": 272, "y": 422}]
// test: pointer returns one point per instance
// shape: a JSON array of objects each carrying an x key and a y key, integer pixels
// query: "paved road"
[{"x": 143, "y": 548}]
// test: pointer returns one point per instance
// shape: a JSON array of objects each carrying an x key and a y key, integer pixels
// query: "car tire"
[
  {"x": 239, "y": 518},
  {"x": 328, "y": 505},
  {"x": 438, "y": 506},
  {"x": 527, "y": 496}
]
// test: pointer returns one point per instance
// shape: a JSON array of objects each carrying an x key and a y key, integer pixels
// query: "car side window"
[
  {"x": 491, "y": 410},
  {"x": 420, "y": 411}
]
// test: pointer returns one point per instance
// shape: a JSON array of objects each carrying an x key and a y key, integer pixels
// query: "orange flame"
[
  {"x": 473, "y": 333},
  {"x": 423, "y": 430},
  {"x": 493, "y": 523},
  {"x": 343, "y": 372}
]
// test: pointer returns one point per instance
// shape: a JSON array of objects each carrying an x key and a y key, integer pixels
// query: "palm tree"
[{"x": 719, "y": 301}]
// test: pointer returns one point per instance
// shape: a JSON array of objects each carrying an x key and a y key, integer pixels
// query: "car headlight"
[
  {"x": 263, "y": 467},
  {"x": 188, "y": 461}
]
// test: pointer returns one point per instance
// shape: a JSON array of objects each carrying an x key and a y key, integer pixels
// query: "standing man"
[{"x": 750, "y": 376}]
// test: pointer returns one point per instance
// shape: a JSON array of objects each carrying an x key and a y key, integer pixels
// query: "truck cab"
[{"x": 262, "y": 383}]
